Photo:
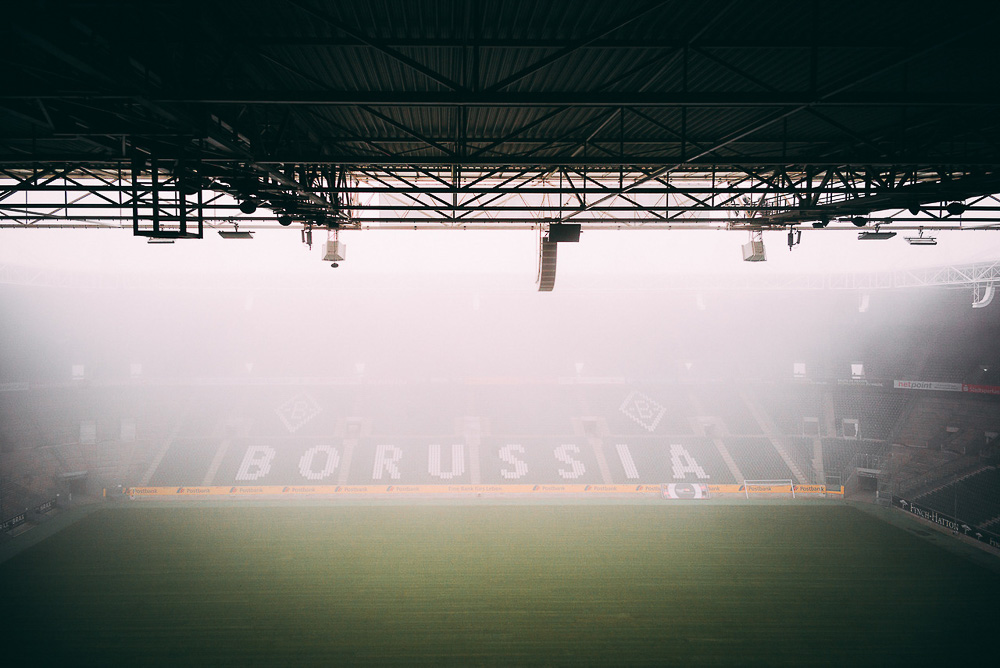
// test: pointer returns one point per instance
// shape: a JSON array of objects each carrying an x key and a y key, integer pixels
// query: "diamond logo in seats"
[
  {"x": 297, "y": 411},
  {"x": 642, "y": 410}
]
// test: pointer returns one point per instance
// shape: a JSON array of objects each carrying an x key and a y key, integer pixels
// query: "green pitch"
[{"x": 698, "y": 584}]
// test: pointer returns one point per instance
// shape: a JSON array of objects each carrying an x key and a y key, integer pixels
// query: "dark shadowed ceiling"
[{"x": 748, "y": 114}]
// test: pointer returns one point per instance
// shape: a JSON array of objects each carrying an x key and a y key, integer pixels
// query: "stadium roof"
[{"x": 501, "y": 113}]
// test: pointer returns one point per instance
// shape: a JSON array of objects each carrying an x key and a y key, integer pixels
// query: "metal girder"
[
  {"x": 703, "y": 164},
  {"x": 376, "y": 44},
  {"x": 735, "y": 199},
  {"x": 647, "y": 100},
  {"x": 219, "y": 134},
  {"x": 421, "y": 123},
  {"x": 575, "y": 45}
]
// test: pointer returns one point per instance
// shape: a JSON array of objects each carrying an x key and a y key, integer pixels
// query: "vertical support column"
[
  {"x": 155, "y": 176},
  {"x": 182, "y": 211},
  {"x": 136, "y": 172},
  {"x": 201, "y": 215}
]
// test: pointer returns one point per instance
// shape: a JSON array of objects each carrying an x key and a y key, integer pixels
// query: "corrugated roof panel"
[
  {"x": 880, "y": 50},
  {"x": 565, "y": 19},
  {"x": 497, "y": 122}
]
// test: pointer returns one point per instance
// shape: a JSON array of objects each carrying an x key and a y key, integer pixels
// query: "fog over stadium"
[
  {"x": 451, "y": 305},
  {"x": 499, "y": 333},
  {"x": 424, "y": 395}
]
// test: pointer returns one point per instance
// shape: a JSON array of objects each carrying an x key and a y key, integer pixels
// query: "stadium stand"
[
  {"x": 876, "y": 410},
  {"x": 567, "y": 431},
  {"x": 757, "y": 458},
  {"x": 182, "y": 462},
  {"x": 545, "y": 461},
  {"x": 974, "y": 498},
  {"x": 800, "y": 450},
  {"x": 919, "y": 470},
  {"x": 644, "y": 409},
  {"x": 789, "y": 404},
  {"x": 969, "y": 417},
  {"x": 726, "y": 403},
  {"x": 675, "y": 459},
  {"x": 28, "y": 477},
  {"x": 430, "y": 409},
  {"x": 543, "y": 409},
  {"x": 840, "y": 454},
  {"x": 673, "y": 417}
]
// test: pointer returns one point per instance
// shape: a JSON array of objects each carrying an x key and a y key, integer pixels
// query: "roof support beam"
[
  {"x": 574, "y": 46},
  {"x": 379, "y": 46},
  {"x": 345, "y": 98}
]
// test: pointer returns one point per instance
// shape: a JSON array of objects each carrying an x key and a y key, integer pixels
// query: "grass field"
[{"x": 698, "y": 584}]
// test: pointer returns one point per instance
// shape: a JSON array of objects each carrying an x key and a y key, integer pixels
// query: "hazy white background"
[{"x": 484, "y": 253}]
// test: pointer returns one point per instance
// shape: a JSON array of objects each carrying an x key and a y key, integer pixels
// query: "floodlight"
[
  {"x": 155, "y": 240},
  {"x": 284, "y": 220},
  {"x": 248, "y": 206},
  {"x": 859, "y": 221},
  {"x": 235, "y": 233},
  {"x": 914, "y": 209},
  {"x": 956, "y": 208},
  {"x": 875, "y": 236},
  {"x": 821, "y": 223},
  {"x": 921, "y": 240}
]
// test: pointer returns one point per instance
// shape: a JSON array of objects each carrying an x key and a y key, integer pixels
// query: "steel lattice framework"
[{"x": 660, "y": 114}]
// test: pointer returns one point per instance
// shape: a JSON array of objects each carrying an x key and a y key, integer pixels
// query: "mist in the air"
[{"x": 451, "y": 306}]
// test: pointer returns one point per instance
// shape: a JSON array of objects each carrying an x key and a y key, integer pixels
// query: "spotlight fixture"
[
  {"x": 284, "y": 220},
  {"x": 914, "y": 209},
  {"x": 921, "y": 240},
  {"x": 228, "y": 234},
  {"x": 859, "y": 221},
  {"x": 248, "y": 206},
  {"x": 956, "y": 208},
  {"x": 235, "y": 233},
  {"x": 821, "y": 223},
  {"x": 875, "y": 236}
]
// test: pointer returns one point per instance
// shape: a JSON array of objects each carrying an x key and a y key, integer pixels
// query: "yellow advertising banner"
[
  {"x": 810, "y": 489},
  {"x": 335, "y": 490}
]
